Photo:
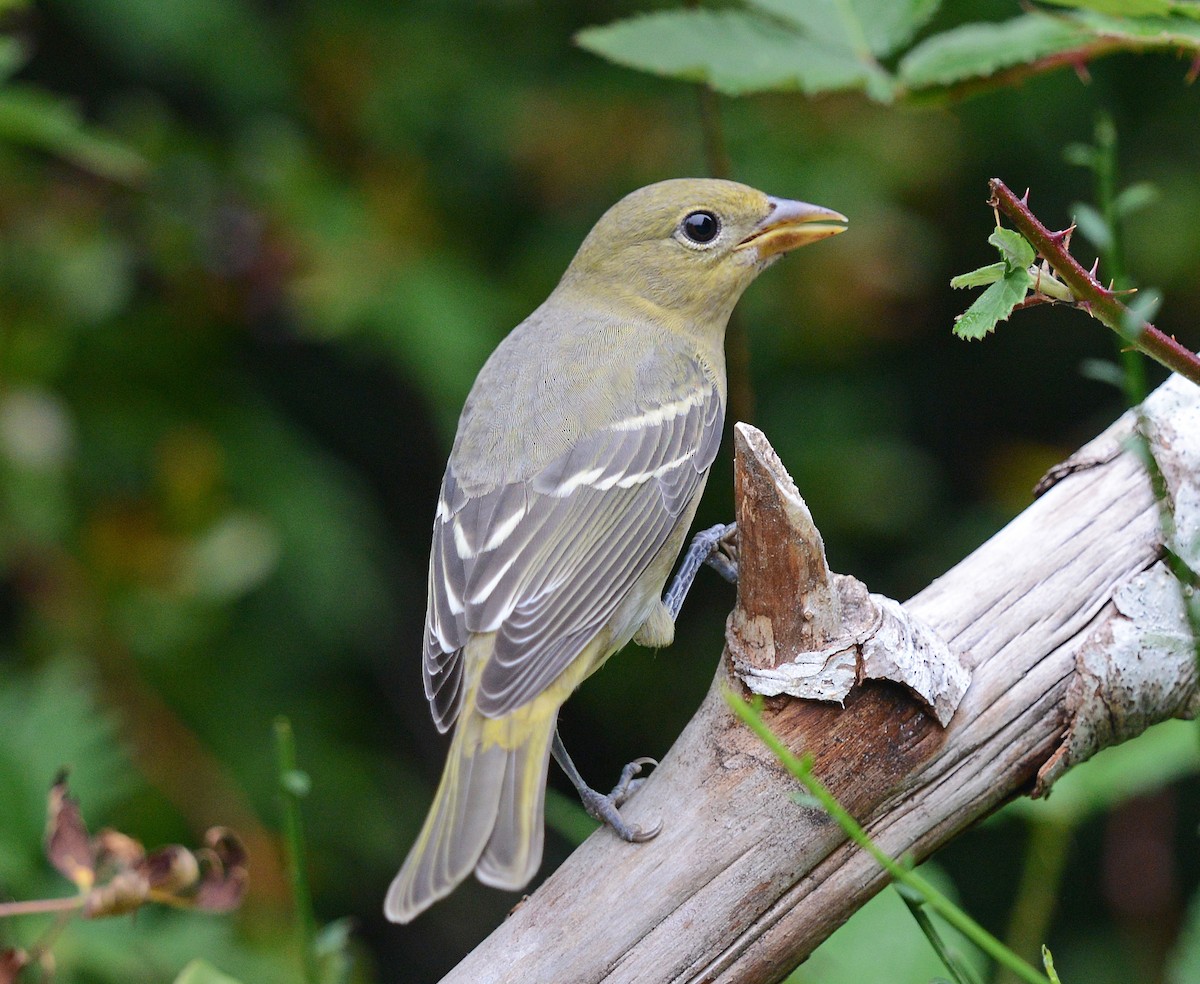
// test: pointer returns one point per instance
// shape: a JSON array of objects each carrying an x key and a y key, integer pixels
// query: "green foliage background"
[{"x": 239, "y": 313}]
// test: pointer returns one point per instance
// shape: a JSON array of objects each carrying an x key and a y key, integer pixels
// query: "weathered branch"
[{"x": 743, "y": 883}]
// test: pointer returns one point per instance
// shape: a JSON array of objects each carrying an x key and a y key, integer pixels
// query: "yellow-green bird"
[{"x": 580, "y": 458}]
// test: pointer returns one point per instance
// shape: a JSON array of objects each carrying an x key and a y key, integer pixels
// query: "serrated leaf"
[
  {"x": 1013, "y": 247},
  {"x": 980, "y": 278},
  {"x": 1179, "y": 32},
  {"x": 734, "y": 51},
  {"x": 876, "y": 26},
  {"x": 1091, "y": 223},
  {"x": 994, "y": 305},
  {"x": 980, "y": 50}
]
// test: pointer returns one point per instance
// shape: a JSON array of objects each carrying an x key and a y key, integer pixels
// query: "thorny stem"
[{"x": 1090, "y": 294}]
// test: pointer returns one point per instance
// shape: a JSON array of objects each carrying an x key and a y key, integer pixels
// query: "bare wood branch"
[{"x": 743, "y": 883}]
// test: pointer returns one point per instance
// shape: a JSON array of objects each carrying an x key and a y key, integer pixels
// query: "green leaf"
[
  {"x": 993, "y": 306},
  {"x": 1081, "y": 155},
  {"x": 1048, "y": 963},
  {"x": 1103, "y": 371},
  {"x": 982, "y": 277},
  {"x": 1121, "y": 8},
  {"x": 735, "y": 52},
  {"x": 333, "y": 949},
  {"x": 1091, "y": 223},
  {"x": 980, "y": 50},
  {"x": 12, "y": 54},
  {"x": 38, "y": 119},
  {"x": 1013, "y": 247},
  {"x": 1134, "y": 198},
  {"x": 997, "y": 302},
  {"x": 1178, "y": 33},
  {"x": 202, "y": 972},
  {"x": 876, "y": 27}
]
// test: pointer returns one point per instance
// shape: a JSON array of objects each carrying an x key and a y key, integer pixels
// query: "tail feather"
[
  {"x": 457, "y": 828},
  {"x": 514, "y": 850},
  {"x": 486, "y": 814}
]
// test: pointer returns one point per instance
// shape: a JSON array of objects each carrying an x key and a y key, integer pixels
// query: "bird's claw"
[
  {"x": 627, "y": 785},
  {"x": 724, "y": 556},
  {"x": 606, "y": 809}
]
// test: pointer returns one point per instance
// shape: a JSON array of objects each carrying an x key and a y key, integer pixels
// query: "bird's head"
[{"x": 690, "y": 246}]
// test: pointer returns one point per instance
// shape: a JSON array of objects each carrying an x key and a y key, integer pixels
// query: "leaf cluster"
[{"x": 881, "y": 47}]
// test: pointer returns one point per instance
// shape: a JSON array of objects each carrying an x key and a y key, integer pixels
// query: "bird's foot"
[
  {"x": 606, "y": 809},
  {"x": 723, "y": 557}
]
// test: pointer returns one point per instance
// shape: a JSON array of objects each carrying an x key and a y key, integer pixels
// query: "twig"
[
  {"x": 1100, "y": 301},
  {"x": 36, "y": 907}
]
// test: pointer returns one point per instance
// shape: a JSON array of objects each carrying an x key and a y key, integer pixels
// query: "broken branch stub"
[{"x": 801, "y": 630}]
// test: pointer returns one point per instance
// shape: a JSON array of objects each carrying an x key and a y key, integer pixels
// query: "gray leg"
[
  {"x": 606, "y": 808},
  {"x": 705, "y": 548}
]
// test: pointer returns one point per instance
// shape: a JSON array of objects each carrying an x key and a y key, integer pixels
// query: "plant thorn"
[{"x": 1063, "y": 236}]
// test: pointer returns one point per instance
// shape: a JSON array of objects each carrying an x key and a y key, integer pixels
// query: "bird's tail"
[{"x": 487, "y": 812}]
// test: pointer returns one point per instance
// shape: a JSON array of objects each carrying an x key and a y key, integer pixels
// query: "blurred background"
[{"x": 235, "y": 335}]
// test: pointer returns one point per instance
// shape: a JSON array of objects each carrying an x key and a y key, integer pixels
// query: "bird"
[{"x": 580, "y": 457}]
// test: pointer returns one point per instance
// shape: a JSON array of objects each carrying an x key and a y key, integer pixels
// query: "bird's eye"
[{"x": 700, "y": 227}]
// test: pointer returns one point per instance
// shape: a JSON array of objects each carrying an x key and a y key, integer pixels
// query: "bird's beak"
[{"x": 790, "y": 225}]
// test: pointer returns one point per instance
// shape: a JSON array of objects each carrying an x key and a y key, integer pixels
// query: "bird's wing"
[{"x": 545, "y": 562}]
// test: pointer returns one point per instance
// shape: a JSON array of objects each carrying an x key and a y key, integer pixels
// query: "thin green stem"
[
  {"x": 956, "y": 968},
  {"x": 802, "y": 770},
  {"x": 1112, "y": 258},
  {"x": 292, "y": 785},
  {"x": 1101, "y": 302}
]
